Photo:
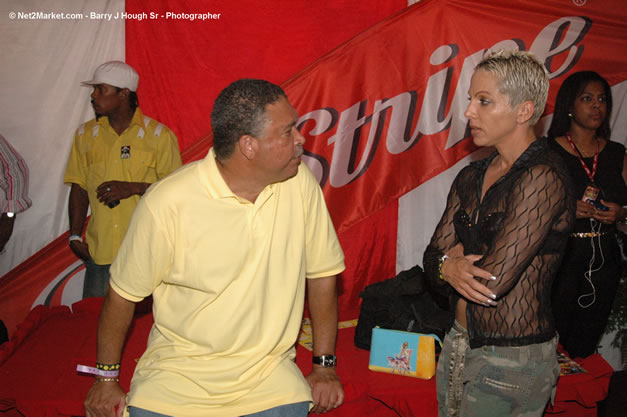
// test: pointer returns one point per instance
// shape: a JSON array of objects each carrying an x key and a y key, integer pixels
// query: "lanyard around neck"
[{"x": 595, "y": 161}]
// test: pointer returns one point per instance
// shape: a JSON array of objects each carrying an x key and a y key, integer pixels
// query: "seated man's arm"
[
  {"x": 325, "y": 384},
  {"x": 115, "y": 320}
]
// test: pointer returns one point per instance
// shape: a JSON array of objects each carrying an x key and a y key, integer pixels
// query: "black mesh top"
[{"x": 522, "y": 228}]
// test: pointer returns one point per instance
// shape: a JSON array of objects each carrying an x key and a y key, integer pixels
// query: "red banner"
[
  {"x": 194, "y": 49},
  {"x": 383, "y": 113}
]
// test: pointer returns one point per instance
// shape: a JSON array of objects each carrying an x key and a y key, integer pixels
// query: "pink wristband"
[{"x": 99, "y": 372}]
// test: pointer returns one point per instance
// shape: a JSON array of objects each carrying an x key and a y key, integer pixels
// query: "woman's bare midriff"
[{"x": 460, "y": 312}]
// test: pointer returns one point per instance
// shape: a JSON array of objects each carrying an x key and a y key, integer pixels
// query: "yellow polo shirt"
[
  {"x": 228, "y": 282},
  {"x": 145, "y": 152}
]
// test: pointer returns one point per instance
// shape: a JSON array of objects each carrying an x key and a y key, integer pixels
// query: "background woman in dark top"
[
  {"x": 497, "y": 248},
  {"x": 584, "y": 290}
]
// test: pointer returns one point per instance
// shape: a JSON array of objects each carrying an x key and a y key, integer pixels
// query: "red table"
[{"x": 38, "y": 376}]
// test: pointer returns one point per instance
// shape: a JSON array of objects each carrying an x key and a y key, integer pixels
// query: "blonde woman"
[{"x": 497, "y": 247}]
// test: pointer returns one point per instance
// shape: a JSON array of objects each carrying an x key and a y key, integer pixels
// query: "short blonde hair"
[{"x": 522, "y": 77}]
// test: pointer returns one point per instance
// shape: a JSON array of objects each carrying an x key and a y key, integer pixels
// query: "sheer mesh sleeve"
[
  {"x": 537, "y": 201},
  {"x": 442, "y": 240}
]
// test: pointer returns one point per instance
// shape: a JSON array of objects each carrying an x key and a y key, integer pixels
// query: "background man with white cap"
[{"x": 114, "y": 159}]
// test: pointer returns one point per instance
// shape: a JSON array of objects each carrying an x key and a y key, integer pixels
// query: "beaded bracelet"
[
  {"x": 106, "y": 380},
  {"x": 442, "y": 259},
  {"x": 108, "y": 367}
]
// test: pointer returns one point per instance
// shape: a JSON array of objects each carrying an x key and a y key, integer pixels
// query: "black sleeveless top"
[{"x": 608, "y": 178}]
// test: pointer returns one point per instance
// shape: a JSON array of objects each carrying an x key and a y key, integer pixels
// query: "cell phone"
[{"x": 599, "y": 206}]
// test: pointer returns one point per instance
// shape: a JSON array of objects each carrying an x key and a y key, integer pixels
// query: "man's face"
[
  {"x": 105, "y": 99},
  {"x": 280, "y": 145}
]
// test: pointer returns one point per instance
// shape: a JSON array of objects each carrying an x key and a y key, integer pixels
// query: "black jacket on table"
[{"x": 521, "y": 228}]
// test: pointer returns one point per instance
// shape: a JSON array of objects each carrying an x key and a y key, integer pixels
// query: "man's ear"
[
  {"x": 125, "y": 92},
  {"x": 525, "y": 111},
  {"x": 247, "y": 146}
]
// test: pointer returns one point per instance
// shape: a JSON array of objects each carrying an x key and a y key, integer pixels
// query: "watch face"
[
  {"x": 329, "y": 361},
  {"x": 326, "y": 361}
]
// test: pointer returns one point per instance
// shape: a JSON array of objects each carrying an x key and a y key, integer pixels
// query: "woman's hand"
[
  {"x": 459, "y": 271},
  {"x": 611, "y": 215},
  {"x": 584, "y": 210}
]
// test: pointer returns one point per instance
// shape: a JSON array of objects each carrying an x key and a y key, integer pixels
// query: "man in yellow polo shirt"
[
  {"x": 114, "y": 158},
  {"x": 227, "y": 246}
]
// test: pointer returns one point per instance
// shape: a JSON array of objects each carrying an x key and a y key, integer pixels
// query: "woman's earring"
[{"x": 570, "y": 115}]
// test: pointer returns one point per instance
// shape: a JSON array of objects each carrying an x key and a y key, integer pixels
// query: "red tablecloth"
[{"x": 38, "y": 376}]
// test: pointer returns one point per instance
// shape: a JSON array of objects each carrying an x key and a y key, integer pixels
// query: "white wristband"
[{"x": 74, "y": 237}]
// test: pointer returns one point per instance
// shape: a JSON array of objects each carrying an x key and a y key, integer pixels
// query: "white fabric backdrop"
[{"x": 42, "y": 102}]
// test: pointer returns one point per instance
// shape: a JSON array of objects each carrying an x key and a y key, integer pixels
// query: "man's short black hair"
[{"x": 240, "y": 109}]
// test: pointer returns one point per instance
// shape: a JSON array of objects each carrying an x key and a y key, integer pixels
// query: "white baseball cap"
[{"x": 115, "y": 73}]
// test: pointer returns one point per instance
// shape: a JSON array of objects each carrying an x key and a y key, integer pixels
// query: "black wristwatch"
[{"x": 326, "y": 361}]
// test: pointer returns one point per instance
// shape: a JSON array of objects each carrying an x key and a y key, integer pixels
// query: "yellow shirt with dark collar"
[
  {"x": 145, "y": 152},
  {"x": 228, "y": 283}
]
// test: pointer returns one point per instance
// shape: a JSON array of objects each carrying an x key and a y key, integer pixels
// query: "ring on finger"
[{"x": 108, "y": 189}]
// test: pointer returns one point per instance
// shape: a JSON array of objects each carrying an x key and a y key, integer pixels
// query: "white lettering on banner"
[
  {"x": 399, "y": 139},
  {"x": 432, "y": 119},
  {"x": 553, "y": 41},
  {"x": 343, "y": 168},
  {"x": 560, "y": 36}
]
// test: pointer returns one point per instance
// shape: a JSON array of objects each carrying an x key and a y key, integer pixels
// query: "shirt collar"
[
  {"x": 524, "y": 160},
  {"x": 138, "y": 119},
  {"x": 217, "y": 187}
]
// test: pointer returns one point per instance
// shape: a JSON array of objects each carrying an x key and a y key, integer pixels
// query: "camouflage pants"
[{"x": 493, "y": 380}]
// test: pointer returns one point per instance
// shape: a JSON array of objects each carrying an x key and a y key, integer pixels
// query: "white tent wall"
[{"x": 44, "y": 58}]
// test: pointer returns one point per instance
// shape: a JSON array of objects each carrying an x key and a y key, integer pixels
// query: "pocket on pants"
[{"x": 495, "y": 387}]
